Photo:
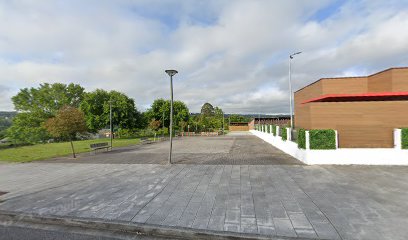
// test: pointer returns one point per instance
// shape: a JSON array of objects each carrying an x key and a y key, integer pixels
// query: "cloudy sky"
[{"x": 231, "y": 53}]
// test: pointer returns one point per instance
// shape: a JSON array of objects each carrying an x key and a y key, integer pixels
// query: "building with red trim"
[{"x": 364, "y": 110}]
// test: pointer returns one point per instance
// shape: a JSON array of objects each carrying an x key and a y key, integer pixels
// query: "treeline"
[
  {"x": 50, "y": 111},
  {"x": 36, "y": 105}
]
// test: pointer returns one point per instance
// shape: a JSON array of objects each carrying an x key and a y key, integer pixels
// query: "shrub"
[
  {"x": 322, "y": 139},
  {"x": 301, "y": 138},
  {"x": 284, "y": 134},
  {"x": 404, "y": 138},
  {"x": 274, "y": 130}
]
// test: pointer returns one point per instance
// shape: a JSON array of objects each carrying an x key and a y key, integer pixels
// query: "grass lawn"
[{"x": 50, "y": 150}]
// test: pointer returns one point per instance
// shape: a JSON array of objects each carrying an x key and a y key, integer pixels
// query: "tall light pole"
[
  {"x": 110, "y": 123},
  {"x": 171, "y": 73},
  {"x": 290, "y": 89}
]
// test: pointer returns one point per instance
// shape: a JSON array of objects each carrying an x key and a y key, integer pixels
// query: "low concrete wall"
[{"x": 341, "y": 156}]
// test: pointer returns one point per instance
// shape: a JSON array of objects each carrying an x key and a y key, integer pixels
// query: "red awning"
[{"x": 381, "y": 96}]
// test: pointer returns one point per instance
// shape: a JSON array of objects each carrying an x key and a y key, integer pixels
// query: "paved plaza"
[{"x": 238, "y": 184}]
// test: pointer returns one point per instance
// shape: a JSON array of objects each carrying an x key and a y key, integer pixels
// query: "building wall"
[
  {"x": 238, "y": 128},
  {"x": 302, "y": 111},
  {"x": 400, "y": 80},
  {"x": 380, "y": 82},
  {"x": 361, "y": 124},
  {"x": 358, "y": 123},
  {"x": 349, "y": 85}
]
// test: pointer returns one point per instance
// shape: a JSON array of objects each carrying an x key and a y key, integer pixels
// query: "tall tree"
[
  {"x": 36, "y": 105},
  {"x": 67, "y": 123},
  {"x": 48, "y": 98},
  {"x": 207, "y": 110},
  {"x": 96, "y": 106},
  {"x": 160, "y": 110}
]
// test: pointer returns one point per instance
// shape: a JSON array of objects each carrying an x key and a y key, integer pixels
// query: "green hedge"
[
  {"x": 322, "y": 139},
  {"x": 268, "y": 129},
  {"x": 301, "y": 138},
  {"x": 284, "y": 134},
  {"x": 404, "y": 138},
  {"x": 274, "y": 130}
]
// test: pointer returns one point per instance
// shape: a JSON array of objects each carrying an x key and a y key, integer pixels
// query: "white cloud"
[{"x": 233, "y": 54}]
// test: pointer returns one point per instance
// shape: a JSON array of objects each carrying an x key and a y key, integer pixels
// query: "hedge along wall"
[
  {"x": 301, "y": 138},
  {"x": 268, "y": 128},
  {"x": 322, "y": 139},
  {"x": 284, "y": 134},
  {"x": 274, "y": 130},
  {"x": 404, "y": 138}
]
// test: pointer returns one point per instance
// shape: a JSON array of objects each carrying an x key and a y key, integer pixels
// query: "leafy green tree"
[
  {"x": 238, "y": 118},
  {"x": 96, "y": 107},
  {"x": 48, "y": 98},
  {"x": 27, "y": 128},
  {"x": 36, "y": 105},
  {"x": 207, "y": 110},
  {"x": 67, "y": 123},
  {"x": 160, "y": 110},
  {"x": 5, "y": 123}
]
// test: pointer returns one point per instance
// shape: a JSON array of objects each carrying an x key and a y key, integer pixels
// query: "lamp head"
[
  {"x": 171, "y": 73},
  {"x": 291, "y": 56}
]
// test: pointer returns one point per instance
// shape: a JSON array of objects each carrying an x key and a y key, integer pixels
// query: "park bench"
[
  {"x": 145, "y": 140},
  {"x": 97, "y": 146}
]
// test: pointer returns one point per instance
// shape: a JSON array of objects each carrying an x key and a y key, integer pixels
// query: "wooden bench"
[
  {"x": 145, "y": 140},
  {"x": 97, "y": 146}
]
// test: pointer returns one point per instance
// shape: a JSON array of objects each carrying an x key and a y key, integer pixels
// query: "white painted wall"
[{"x": 341, "y": 156}]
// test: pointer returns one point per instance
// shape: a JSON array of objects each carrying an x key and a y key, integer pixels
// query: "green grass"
[{"x": 50, "y": 150}]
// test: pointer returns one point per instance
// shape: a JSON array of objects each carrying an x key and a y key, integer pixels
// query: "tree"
[
  {"x": 160, "y": 110},
  {"x": 238, "y": 118},
  {"x": 154, "y": 124},
  {"x": 36, "y": 105},
  {"x": 207, "y": 110},
  {"x": 67, "y": 123},
  {"x": 48, "y": 98},
  {"x": 27, "y": 128},
  {"x": 96, "y": 108},
  {"x": 5, "y": 123}
]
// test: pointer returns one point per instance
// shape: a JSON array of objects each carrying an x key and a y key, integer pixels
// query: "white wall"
[{"x": 361, "y": 156}]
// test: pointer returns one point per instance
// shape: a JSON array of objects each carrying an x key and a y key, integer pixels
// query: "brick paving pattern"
[{"x": 292, "y": 200}]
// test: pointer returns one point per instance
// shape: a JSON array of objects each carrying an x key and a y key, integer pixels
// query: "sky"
[{"x": 231, "y": 53}]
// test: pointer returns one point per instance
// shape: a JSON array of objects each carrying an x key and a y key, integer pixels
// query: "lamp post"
[
  {"x": 171, "y": 73},
  {"x": 110, "y": 123},
  {"x": 290, "y": 88}
]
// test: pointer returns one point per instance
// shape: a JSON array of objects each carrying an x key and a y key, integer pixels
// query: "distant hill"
[{"x": 4, "y": 114}]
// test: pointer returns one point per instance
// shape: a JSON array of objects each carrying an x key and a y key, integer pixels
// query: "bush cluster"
[
  {"x": 274, "y": 130},
  {"x": 322, "y": 139},
  {"x": 284, "y": 134},
  {"x": 301, "y": 138},
  {"x": 404, "y": 138}
]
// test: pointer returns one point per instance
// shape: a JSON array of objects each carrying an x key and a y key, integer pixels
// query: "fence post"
[
  {"x": 289, "y": 133},
  {"x": 277, "y": 131},
  {"x": 336, "y": 135},
  {"x": 307, "y": 136},
  {"x": 397, "y": 138}
]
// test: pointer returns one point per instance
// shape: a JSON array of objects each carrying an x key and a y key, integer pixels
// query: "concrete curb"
[{"x": 119, "y": 229}]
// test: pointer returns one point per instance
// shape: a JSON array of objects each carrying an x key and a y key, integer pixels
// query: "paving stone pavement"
[{"x": 323, "y": 202}]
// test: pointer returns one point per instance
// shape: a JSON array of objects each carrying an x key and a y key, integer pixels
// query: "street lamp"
[
  {"x": 171, "y": 73},
  {"x": 290, "y": 88},
  {"x": 110, "y": 123}
]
